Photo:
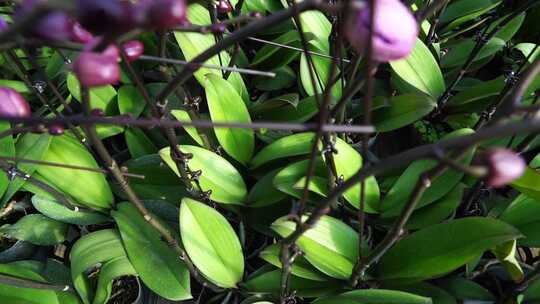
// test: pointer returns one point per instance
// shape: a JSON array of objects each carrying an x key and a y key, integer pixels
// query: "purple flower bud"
[
  {"x": 394, "y": 33},
  {"x": 166, "y": 14},
  {"x": 106, "y": 16},
  {"x": 111, "y": 50},
  {"x": 504, "y": 166},
  {"x": 133, "y": 49},
  {"x": 54, "y": 26},
  {"x": 94, "y": 69},
  {"x": 12, "y": 104},
  {"x": 223, "y": 7},
  {"x": 218, "y": 28},
  {"x": 3, "y": 24},
  {"x": 79, "y": 34},
  {"x": 97, "y": 112},
  {"x": 56, "y": 129}
]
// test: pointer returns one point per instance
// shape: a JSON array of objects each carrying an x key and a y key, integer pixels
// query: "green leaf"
[
  {"x": 225, "y": 105},
  {"x": 18, "y": 295},
  {"x": 111, "y": 270},
  {"x": 532, "y": 294},
  {"x": 36, "y": 229},
  {"x": 100, "y": 97},
  {"x": 437, "y": 294},
  {"x": 285, "y": 78},
  {"x": 138, "y": 143},
  {"x": 420, "y": 70},
  {"x": 506, "y": 254},
  {"x": 292, "y": 145},
  {"x": 321, "y": 70},
  {"x": 67, "y": 150},
  {"x": 218, "y": 174},
  {"x": 286, "y": 180},
  {"x": 7, "y": 148},
  {"x": 300, "y": 268},
  {"x": 159, "y": 182},
  {"x": 466, "y": 290},
  {"x": 402, "y": 189},
  {"x": 331, "y": 246},
  {"x": 59, "y": 212},
  {"x": 439, "y": 249},
  {"x": 90, "y": 250},
  {"x": 211, "y": 243},
  {"x": 477, "y": 93},
  {"x": 438, "y": 211},
  {"x": 17, "y": 85},
  {"x": 528, "y": 183},
  {"x": 374, "y": 296},
  {"x": 156, "y": 263},
  {"x": 130, "y": 101},
  {"x": 459, "y": 52},
  {"x": 461, "y": 11},
  {"x": 192, "y": 44},
  {"x": 402, "y": 110},
  {"x": 269, "y": 283},
  {"x": 29, "y": 146},
  {"x": 524, "y": 214},
  {"x": 273, "y": 57},
  {"x": 183, "y": 116},
  {"x": 263, "y": 192},
  {"x": 304, "y": 110}
]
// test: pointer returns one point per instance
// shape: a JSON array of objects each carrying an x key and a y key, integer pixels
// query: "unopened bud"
[
  {"x": 504, "y": 166},
  {"x": 12, "y": 104}
]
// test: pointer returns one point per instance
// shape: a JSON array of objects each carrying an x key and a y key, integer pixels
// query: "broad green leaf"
[
  {"x": 420, "y": 70},
  {"x": 138, "y": 143},
  {"x": 510, "y": 29},
  {"x": 528, "y": 183},
  {"x": 459, "y": 52},
  {"x": 130, "y": 101},
  {"x": 159, "y": 182},
  {"x": 111, "y": 270},
  {"x": 269, "y": 283},
  {"x": 438, "y": 211},
  {"x": 29, "y": 146},
  {"x": 461, "y": 11},
  {"x": 100, "y": 97},
  {"x": 292, "y": 145},
  {"x": 321, "y": 70},
  {"x": 89, "y": 250},
  {"x": 439, "y": 249},
  {"x": 225, "y": 105},
  {"x": 211, "y": 243},
  {"x": 218, "y": 174},
  {"x": 19, "y": 295},
  {"x": 374, "y": 296},
  {"x": 485, "y": 90},
  {"x": 192, "y": 44},
  {"x": 532, "y": 294},
  {"x": 183, "y": 116},
  {"x": 286, "y": 180},
  {"x": 271, "y": 56},
  {"x": 67, "y": 150},
  {"x": 7, "y": 148},
  {"x": 36, "y": 229},
  {"x": 59, "y": 212},
  {"x": 285, "y": 78},
  {"x": 304, "y": 110},
  {"x": 263, "y": 192},
  {"x": 300, "y": 268},
  {"x": 506, "y": 254},
  {"x": 524, "y": 214},
  {"x": 331, "y": 246},
  {"x": 17, "y": 85},
  {"x": 157, "y": 264},
  {"x": 437, "y": 294},
  {"x": 466, "y": 290},
  {"x": 402, "y": 110},
  {"x": 318, "y": 185},
  {"x": 526, "y": 49},
  {"x": 400, "y": 192}
]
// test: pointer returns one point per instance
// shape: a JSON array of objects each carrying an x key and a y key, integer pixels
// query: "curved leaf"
[
  {"x": 441, "y": 248},
  {"x": 402, "y": 110},
  {"x": 225, "y": 105},
  {"x": 59, "y": 212},
  {"x": 375, "y": 296},
  {"x": 331, "y": 246},
  {"x": 110, "y": 271},
  {"x": 37, "y": 229},
  {"x": 158, "y": 266},
  {"x": 183, "y": 116},
  {"x": 211, "y": 243},
  {"x": 300, "y": 268},
  {"x": 218, "y": 175}
]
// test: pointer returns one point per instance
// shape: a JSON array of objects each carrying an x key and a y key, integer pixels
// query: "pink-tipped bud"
[
  {"x": 12, "y": 104},
  {"x": 133, "y": 49},
  {"x": 56, "y": 129},
  {"x": 504, "y": 166},
  {"x": 106, "y": 16},
  {"x": 224, "y": 7},
  {"x": 79, "y": 34},
  {"x": 94, "y": 69},
  {"x": 394, "y": 31},
  {"x": 166, "y": 14},
  {"x": 111, "y": 50},
  {"x": 53, "y": 26}
]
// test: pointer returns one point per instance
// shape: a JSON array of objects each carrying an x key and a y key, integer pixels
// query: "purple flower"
[
  {"x": 106, "y": 16},
  {"x": 95, "y": 69},
  {"x": 79, "y": 34},
  {"x": 54, "y": 26},
  {"x": 394, "y": 33},
  {"x": 223, "y": 7},
  {"x": 165, "y": 14},
  {"x": 133, "y": 49},
  {"x": 12, "y": 104},
  {"x": 504, "y": 166}
]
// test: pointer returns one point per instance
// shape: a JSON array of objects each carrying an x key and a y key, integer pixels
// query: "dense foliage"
[{"x": 269, "y": 151}]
